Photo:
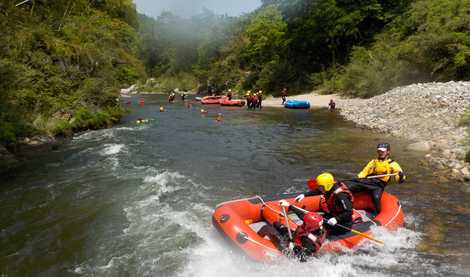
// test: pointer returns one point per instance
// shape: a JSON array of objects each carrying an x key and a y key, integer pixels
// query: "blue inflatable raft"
[{"x": 297, "y": 104}]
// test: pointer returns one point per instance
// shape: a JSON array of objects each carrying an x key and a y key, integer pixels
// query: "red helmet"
[
  {"x": 312, "y": 221},
  {"x": 312, "y": 184}
]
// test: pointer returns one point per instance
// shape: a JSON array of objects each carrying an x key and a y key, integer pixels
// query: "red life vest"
[
  {"x": 328, "y": 205},
  {"x": 317, "y": 240}
]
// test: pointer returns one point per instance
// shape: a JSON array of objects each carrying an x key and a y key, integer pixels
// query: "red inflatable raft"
[
  {"x": 208, "y": 100},
  {"x": 239, "y": 220},
  {"x": 235, "y": 102}
]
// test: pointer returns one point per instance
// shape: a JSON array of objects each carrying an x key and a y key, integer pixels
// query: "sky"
[{"x": 187, "y": 8}]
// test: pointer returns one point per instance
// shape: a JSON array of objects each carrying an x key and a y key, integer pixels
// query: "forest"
[{"x": 62, "y": 64}]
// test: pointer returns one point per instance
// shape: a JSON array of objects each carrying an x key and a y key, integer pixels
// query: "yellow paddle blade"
[{"x": 366, "y": 236}]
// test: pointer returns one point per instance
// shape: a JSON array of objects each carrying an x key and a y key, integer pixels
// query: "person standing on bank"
[
  {"x": 260, "y": 99},
  {"x": 336, "y": 202},
  {"x": 383, "y": 165},
  {"x": 331, "y": 105},
  {"x": 284, "y": 95}
]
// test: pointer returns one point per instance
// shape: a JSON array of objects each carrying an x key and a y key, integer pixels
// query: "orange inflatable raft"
[
  {"x": 234, "y": 102},
  {"x": 239, "y": 220},
  {"x": 207, "y": 100}
]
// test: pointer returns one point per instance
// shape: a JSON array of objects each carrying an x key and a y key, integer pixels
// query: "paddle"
[
  {"x": 351, "y": 230},
  {"x": 286, "y": 222},
  {"x": 312, "y": 183},
  {"x": 361, "y": 234},
  {"x": 379, "y": 176}
]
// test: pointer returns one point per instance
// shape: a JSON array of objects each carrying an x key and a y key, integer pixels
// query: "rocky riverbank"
[
  {"x": 26, "y": 148},
  {"x": 427, "y": 114}
]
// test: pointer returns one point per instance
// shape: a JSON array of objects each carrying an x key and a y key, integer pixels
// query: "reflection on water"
[{"x": 136, "y": 200}]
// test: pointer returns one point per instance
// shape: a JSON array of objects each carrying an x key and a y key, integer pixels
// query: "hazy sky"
[{"x": 191, "y": 7}]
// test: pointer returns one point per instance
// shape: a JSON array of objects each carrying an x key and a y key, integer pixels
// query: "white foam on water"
[
  {"x": 154, "y": 241},
  {"x": 94, "y": 135},
  {"x": 112, "y": 149},
  {"x": 171, "y": 234},
  {"x": 134, "y": 128},
  {"x": 125, "y": 128},
  {"x": 212, "y": 258},
  {"x": 103, "y": 134}
]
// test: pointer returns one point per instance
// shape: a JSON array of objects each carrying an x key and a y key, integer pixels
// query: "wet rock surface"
[{"x": 427, "y": 114}]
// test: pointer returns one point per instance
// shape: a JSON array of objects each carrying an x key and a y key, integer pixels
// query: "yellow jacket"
[{"x": 379, "y": 167}]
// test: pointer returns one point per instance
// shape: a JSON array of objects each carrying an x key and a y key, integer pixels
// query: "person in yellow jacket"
[{"x": 383, "y": 165}]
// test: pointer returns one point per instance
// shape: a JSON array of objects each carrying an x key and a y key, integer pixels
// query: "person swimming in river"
[
  {"x": 141, "y": 121},
  {"x": 219, "y": 118},
  {"x": 171, "y": 97}
]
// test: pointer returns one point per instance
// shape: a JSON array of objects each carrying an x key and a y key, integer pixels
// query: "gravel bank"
[
  {"x": 427, "y": 114},
  {"x": 316, "y": 100}
]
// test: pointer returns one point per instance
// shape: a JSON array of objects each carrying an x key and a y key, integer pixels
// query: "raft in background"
[
  {"x": 239, "y": 220},
  {"x": 234, "y": 102},
  {"x": 221, "y": 100},
  {"x": 297, "y": 104},
  {"x": 211, "y": 100}
]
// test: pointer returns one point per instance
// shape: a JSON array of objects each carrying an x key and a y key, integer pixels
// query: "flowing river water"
[{"x": 136, "y": 200}]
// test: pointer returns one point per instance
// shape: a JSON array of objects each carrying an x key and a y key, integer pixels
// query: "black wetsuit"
[{"x": 375, "y": 186}]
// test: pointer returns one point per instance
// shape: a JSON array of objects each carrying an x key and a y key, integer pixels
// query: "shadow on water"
[{"x": 136, "y": 199}]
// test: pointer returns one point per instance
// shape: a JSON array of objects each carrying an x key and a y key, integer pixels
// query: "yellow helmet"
[{"x": 326, "y": 180}]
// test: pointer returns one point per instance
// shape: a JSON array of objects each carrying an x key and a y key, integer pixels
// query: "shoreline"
[
  {"x": 425, "y": 114},
  {"x": 316, "y": 100}
]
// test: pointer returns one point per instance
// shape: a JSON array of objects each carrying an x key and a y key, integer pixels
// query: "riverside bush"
[
  {"x": 65, "y": 55},
  {"x": 429, "y": 42}
]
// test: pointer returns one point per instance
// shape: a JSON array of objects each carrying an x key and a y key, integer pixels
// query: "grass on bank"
[{"x": 83, "y": 119}]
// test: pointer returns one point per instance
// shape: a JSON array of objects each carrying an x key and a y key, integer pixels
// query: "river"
[{"x": 136, "y": 200}]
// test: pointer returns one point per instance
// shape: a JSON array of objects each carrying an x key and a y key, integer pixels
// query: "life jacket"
[
  {"x": 317, "y": 240},
  {"x": 383, "y": 167},
  {"x": 328, "y": 205}
]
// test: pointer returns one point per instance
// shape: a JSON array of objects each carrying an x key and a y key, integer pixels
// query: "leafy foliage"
[
  {"x": 59, "y": 57},
  {"x": 429, "y": 42}
]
